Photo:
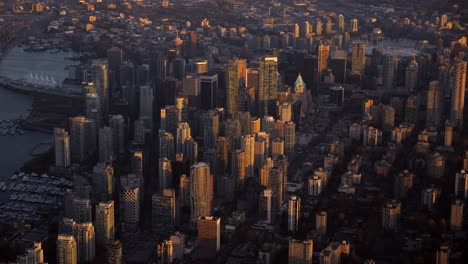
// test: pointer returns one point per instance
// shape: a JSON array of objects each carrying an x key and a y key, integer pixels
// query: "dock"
[{"x": 29, "y": 88}]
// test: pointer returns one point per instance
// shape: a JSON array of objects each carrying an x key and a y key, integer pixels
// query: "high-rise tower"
[
  {"x": 268, "y": 86},
  {"x": 201, "y": 190},
  {"x": 358, "y": 60},
  {"x": 458, "y": 93},
  {"x": 62, "y": 147},
  {"x": 66, "y": 250},
  {"x": 105, "y": 226}
]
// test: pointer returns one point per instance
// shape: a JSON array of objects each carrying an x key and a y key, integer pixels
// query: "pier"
[{"x": 30, "y": 88}]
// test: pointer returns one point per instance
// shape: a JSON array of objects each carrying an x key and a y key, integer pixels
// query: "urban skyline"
[{"x": 235, "y": 131}]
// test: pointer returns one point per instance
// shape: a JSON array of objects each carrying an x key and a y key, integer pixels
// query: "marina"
[
  {"x": 30, "y": 197},
  {"x": 10, "y": 127}
]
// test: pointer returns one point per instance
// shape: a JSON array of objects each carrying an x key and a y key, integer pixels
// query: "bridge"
[{"x": 30, "y": 88}]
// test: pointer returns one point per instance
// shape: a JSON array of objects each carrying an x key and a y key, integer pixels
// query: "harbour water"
[{"x": 17, "y": 64}]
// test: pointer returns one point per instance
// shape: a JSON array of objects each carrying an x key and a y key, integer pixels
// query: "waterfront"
[{"x": 17, "y": 64}]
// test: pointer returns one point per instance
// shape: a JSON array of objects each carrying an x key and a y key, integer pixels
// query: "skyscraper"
[
  {"x": 443, "y": 254},
  {"x": 411, "y": 109},
  {"x": 390, "y": 214},
  {"x": 354, "y": 25},
  {"x": 106, "y": 147},
  {"x": 201, "y": 190},
  {"x": 165, "y": 252},
  {"x": 323, "y": 52},
  {"x": 321, "y": 222},
  {"x": 461, "y": 184},
  {"x": 255, "y": 126},
  {"x": 117, "y": 123},
  {"x": 294, "y": 211},
  {"x": 248, "y": 146},
  {"x": 300, "y": 252},
  {"x": 183, "y": 133},
  {"x": 82, "y": 138},
  {"x": 62, "y": 147},
  {"x": 85, "y": 237},
  {"x": 265, "y": 206},
  {"x": 82, "y": 210},
  {"x": 200, "y": 66},
  {"x": 358, "y": 60},
  {"x": 32, "y": 255},
  {"x": 390, "y": 64},
  {"x": 221, "y": 157},
  {"x": 178, "y": 66},
  {"x": 456, "y": 215},
  {"x": 191, "y": 87},
  {"x": 411, "y": 76},
  {"x": 238, "y": 166},
  {"x": 209, "y": 235},
  {"x": 429, "y": 197},
  {"x": 315, "y": 185},
  {"x": 165, "y": 174},
  {"x": 341, "y": 23},
  {"x": 232, "y": 90},
  {"x": 333, "y": 253},
  {"x": 268, "y": 86},
  {"x": 328, "y": 26},
  {"x": 208, "y": 90},
  {"x": 277, "y": 148},
  {"x": 252, "y": 78},
  {"x": 289, "y": 138},
  {"x": 184, "y": 191},
  {"x": 166, "y": 145},
  {"x": 305, "y": 29},
  {"x": 171, "y": 116},
  {"x": 458, "y": 93},
  {"x": 192, "y": 47},
  {"x": 210, "y": 122},
  {"x": 285, "y": 111},
  {"x": 403, "y": 182},
  {"x": 387, "y": 119},
  {"x": 114, "y": 252},
  {"x": 137, "y": 165},
  {"x": 93, "y": 107},
  {"x": 443, "y": 20},
  {"x": 318, "y": 27},
  {"x": 100, "y": 79},
  {"x": 178, "y": 244},
  {"x": 434, "y": 104},
  {"x": 190, "y": 151},
  {"x": 297, "y": 31},
  {"x": 164, "y": 210},
  {"x": 448, "y": 134},
  {"x": 259, "y": 153},
  {"x": 146, "y": 101},
  {"x": 67, "y": 226},
  {"x": 66, "y": 250},
  {"x": 130, "y": 207},
  {"x": 114, "y": 58},
  {"x": 311, "y": 71},
  {"x": 105, "y": 225},
  {"x": 276, "y": 184}
]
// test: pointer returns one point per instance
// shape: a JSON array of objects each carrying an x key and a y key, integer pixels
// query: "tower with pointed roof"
[{"x": 299, "y": 85}]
